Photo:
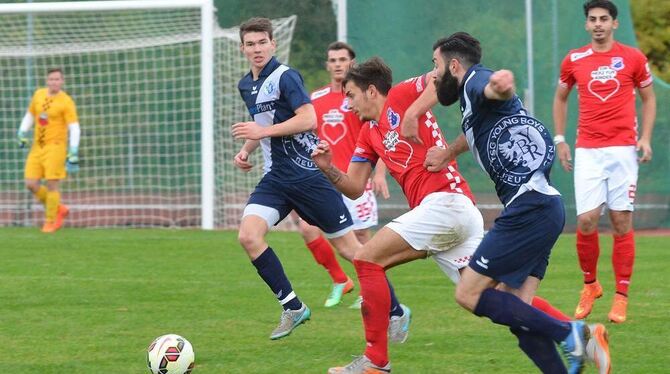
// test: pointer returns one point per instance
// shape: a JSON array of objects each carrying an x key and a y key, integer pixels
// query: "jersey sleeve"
[
  {"x": 293, "y": 89},
  {"x": 70, "y": 112},
  {"x": 33, "y": 104},
  {"x": 642, "y": 76},
  {"x": 474, "y": 87},
  {"x": 566, "y": 78},
  {"x": 364, "y": 151}
]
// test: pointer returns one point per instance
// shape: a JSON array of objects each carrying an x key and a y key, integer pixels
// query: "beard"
[{"x": 447, "y": 89}]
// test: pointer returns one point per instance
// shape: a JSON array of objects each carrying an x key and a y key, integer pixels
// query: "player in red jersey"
[
  {"x": 339, "y": 126},
  {"x": 443, "y": 221},
  {"x": 606, "y": 74}
]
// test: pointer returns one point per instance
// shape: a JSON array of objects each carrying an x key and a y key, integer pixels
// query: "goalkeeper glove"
[
  {"x": 22, "y": 139},
  {"x": 72, "y": 160}
]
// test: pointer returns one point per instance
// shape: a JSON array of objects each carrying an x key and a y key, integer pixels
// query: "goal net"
[{"x": 135, "y": 78}]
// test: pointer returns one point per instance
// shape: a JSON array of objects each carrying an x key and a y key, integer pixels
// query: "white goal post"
[{"x": 137, "y": 123}]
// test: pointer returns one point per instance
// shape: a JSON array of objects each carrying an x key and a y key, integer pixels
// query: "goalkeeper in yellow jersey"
[{"x": 54, "y": 115}]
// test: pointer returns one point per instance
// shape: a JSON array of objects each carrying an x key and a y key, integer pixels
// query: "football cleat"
[
  {"x": 339, "y": 289},
  {"x": 358, "y": 303},
  {"x": 49, "y": 227},
  {"x": 618, "y": 312},
  {"x": 361, "y": 365},
  {"x": 597, "y": 348},
  {"x": 289, "y": 320},
  {"x": 574, "y": 346},
  {"x": 63, "y": 211},
  {"x": 399, "y": 326},
  {"x": 587, "y": 297}
]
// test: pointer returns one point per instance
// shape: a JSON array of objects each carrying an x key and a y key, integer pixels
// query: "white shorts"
[
  {"x": 364, "y": 209},
  {"x": 605, "y": 175},
  {"x": 447, "y": 225}
]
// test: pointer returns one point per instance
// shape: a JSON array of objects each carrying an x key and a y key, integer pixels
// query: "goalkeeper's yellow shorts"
[{"x": 46, "y": 162}]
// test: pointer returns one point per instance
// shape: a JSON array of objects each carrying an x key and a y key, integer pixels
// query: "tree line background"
[{"x": 316, "y": 28}]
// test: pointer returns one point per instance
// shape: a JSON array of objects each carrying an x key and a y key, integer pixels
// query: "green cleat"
[{"x": 339, "y": 289}]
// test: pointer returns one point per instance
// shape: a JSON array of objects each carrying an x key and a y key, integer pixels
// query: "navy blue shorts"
[
  {"x": 520, "y": 241},
  {"x": 314, "y": 199}
]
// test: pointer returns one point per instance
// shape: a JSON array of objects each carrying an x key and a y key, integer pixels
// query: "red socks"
[
  {"x": 544, "y": 306},
  {"x": 375, "y": 310},
  {"x": 324, "y": 255},
  {"x": 588, "y": 251},
  {"x": 623, "y": 257}
]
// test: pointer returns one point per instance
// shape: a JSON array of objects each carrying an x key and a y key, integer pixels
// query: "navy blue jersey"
[
  {"x": 273, "y": 98},
  {"x": 515, "y": 149}
]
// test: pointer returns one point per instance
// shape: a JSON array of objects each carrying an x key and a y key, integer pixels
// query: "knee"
[
  {"x": 250, "y": 240},
  {"x": 32, "y": 186},
  {"x": 587, "y": 225},
  {"x": 621, "y": 226}
]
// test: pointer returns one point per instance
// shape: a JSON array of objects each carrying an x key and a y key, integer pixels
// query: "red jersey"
[
  {"x": 404, "y": 159},
  {"x": 606, "y": 83},
  {"x": 336, "y": 124}
]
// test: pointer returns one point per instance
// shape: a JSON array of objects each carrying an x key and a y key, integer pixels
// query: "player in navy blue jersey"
[
  {"x": 517, "y": 152},
  {"x": 283, "y": 126}
]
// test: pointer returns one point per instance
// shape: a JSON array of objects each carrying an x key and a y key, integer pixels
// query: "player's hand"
[
  {"x": 22, "y": 139},
  {"x": 502, "y": 83},
  {"x": 241, "y": 160},
  {"x": 564, "y": 156},
  {"x": 379, "y": 185},
  {"x": 248, "y": 130},
  {"x": 322, "y": 156},
  {"x": 644, "y": 146},
  {"x": 437, "y": 158},
  {"x": 409, "y": 128},
  {"x": 72, "y": 160}
]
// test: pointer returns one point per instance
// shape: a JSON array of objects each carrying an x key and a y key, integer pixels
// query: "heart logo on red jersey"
[
  {"x": 334, "y": 132},
  {"x": 603, "y": 90},
  {"x": 396, "y": 156}
]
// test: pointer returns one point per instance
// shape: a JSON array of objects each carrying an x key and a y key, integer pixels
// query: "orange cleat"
[
  {"x": 597, "y": 348},
  {"x": 49, "y": 227},
  {"x": 588, "y": 296},
  {"x": 618, "y": 312},
  {"x": 63, "y": 211},
  {"x": 339, "y": 289}
]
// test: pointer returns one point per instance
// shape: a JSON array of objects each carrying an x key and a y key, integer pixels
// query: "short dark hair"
[
  {"x": 461, "y": 46},
  {"x": 605, "y": 4},
  {"x": 371, "y": 72},
  {"x": 256, "y": 24},
  {"x": 54, "y": 70},
  {"x": 336, "y": 46}
]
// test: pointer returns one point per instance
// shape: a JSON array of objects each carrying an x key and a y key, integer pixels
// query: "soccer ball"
[{"x": 170, "y": 354}]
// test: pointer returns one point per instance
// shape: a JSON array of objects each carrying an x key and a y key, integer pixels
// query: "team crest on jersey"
[
  {"x": 617, "y": 63},
  {"x": 345, "y": 105},
  {"x": 44, "y": 119},
  {"x": 518, "y": 146},
  {"x": 269, "y": 88},
  {"x": 299, "y": 148},
  {"x": 393, "y": 118}
]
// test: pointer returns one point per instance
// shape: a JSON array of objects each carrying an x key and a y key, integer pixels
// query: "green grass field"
[{"x": 90, "y": 301}]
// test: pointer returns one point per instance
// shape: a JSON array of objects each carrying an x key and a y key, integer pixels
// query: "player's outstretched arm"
[
  {"x": 500, "y": 86},
  {"x": 352, "y": 183},
  {"x": 241, "y": 159},
  {"x": 437, "y": 158},
  {"x": 648, "y": 98},
  {"x": 560, "y": 117}
]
